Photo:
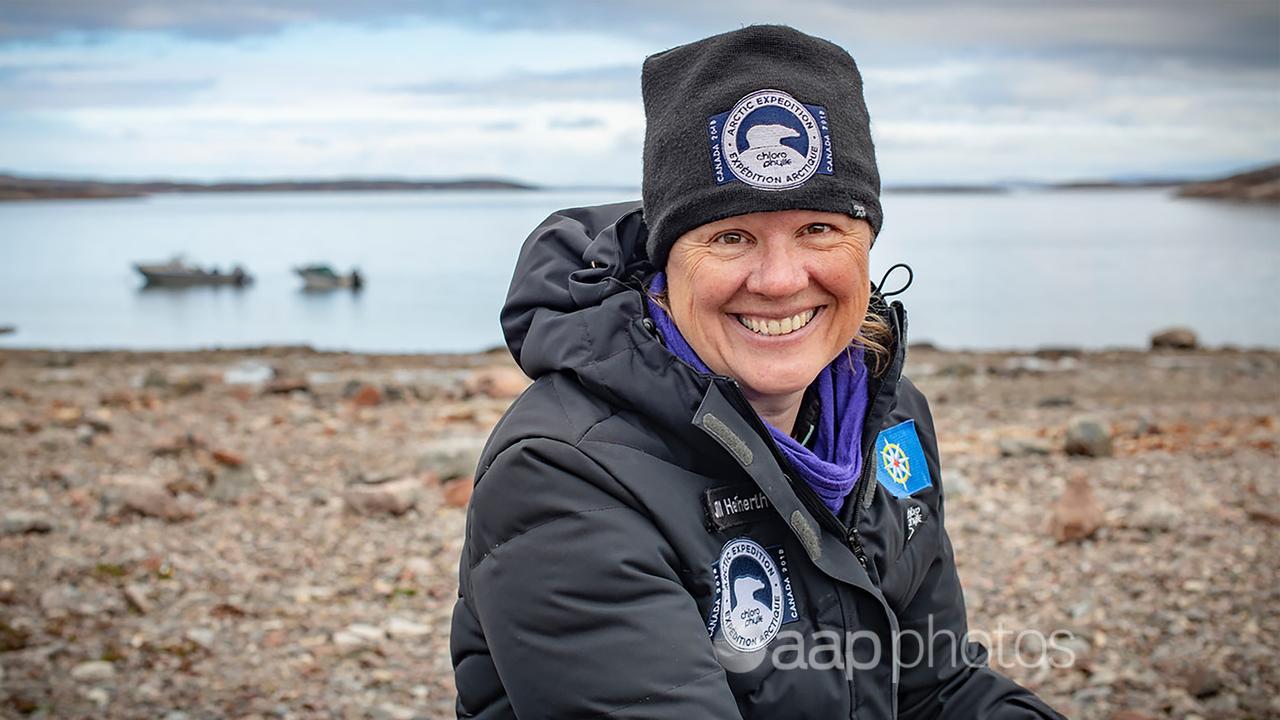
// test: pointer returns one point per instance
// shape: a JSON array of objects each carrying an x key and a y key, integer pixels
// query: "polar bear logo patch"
[
  {"x": 756, "y": 599},
  {"x": 771, "y": 141}
]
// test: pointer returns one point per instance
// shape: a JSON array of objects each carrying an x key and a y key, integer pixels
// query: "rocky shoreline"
[{"x": 274, "y": 533}]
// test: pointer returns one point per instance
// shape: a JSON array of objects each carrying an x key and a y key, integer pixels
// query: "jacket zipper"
[
  {"x": 864, "y": 487},
  {"x": 806, "y": 493},
  {"x": 855, "y": 538}
]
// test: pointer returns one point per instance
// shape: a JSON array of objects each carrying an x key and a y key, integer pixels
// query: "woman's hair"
[
  {"x": 876, "y": 338},
  {"x": 874, "y": 335}
]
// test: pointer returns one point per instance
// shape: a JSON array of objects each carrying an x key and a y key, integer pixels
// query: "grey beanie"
[{"x": 758, "y": 119}]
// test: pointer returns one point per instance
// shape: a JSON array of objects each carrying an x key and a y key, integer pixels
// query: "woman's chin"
[{"x": 777, "y": 384}]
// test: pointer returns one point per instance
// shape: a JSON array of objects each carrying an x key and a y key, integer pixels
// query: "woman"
[{"x": 719, "y": 498}]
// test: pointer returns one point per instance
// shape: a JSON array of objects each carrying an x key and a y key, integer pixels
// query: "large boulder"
[
  {"x": 1089, "y": 437},
  {"x": 1175, "y": 338},
  {"x": 1077, "y": 515}
]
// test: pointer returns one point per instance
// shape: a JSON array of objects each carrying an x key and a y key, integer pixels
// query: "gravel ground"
[{"x": 275, "y": 533}]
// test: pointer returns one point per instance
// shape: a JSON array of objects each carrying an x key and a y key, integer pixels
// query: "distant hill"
[
  {"x": 944, "y": 189},
  {"x": 1121, "y": 184},
  {"x": 1261, "y": 185},
  {"x": 24, "y": 188}
]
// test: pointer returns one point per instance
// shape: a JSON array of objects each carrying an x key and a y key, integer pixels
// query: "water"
[{"x": 1088, "y": 268}]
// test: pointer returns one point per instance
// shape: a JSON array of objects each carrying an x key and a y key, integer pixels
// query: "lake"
[{"x": 1091, "y": 268}]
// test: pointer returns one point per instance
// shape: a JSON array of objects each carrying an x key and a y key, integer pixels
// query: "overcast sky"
[{"x": 549, "y": 92}]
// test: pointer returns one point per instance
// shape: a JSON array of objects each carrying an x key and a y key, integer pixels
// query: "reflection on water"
[{"x": 1092, "y": 268}]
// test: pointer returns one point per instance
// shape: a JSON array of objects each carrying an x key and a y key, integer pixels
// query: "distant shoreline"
[
  {"x": 1261, "y": 184},
  {"x": 269, "y": 350},
  {"x": 23, "y": 188}
]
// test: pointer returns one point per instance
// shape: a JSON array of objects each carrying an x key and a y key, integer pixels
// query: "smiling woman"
[
  {"x": 770, "y": 299},
  {"x": 720, "y": 498}
]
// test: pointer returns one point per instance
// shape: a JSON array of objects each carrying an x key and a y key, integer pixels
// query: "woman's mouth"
[{"x": 770, "y": 327}]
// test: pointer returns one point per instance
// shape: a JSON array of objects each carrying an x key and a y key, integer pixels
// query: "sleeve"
[
  {"x": 954, "y": 681},
  {"x": 579, "y": 597}
]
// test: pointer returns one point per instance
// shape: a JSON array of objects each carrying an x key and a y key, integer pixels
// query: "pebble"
[
  {"x": 370, "y": 633},
  {"x": 233, "y": 482},
  {"x": 957, "y": 484},
  {"x": 144, "y": 496},
  {"x": 501, "y": 383},
  {"x": 394, "y": 498},
  {"x": 451, "y": 457},
  {"x": 98, "y": 696},
  {"x": 21, "y": 523},
  {"x": 248, "y": 372},
  {"x": 401, "y": 629},
  {"x": 457, "y": 492},
  {"x": 356, "y": 637},
  {"x": 1022, "y": 447},
  {"x": 93, "y": 671},
  {"x": 391, "y": 711},
  {"x": 137, "y": 596},
  {"x": 366, "y": 396},
  {"x": 1154, "y": 513},
  {"x": 1202, "y": 680},
  {"x": 203, "y": 637}
]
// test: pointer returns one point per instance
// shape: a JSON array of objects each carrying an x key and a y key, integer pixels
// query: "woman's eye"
[
  {"x": 729, "y": 238},
  {"x": 817, "y": 228}
]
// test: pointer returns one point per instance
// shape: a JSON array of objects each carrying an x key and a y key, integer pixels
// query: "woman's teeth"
[{"x": 762, "y": 326}]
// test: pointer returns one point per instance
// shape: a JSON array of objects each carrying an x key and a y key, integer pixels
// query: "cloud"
[
  {"x": 576, "y": 123},
  {"x": 1234, "y": 33},
  {"x": 61, "y": 86},
  {"x": 600, "y": 83},
  {"x": 550, "y": 92}
]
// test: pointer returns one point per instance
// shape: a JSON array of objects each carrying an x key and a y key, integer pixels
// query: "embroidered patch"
[
  {"x": 900, "y": 463},
  {"x": 734, "y": 505},
  {"x": 771, "y": 141},
  {"x": 753, "y": 596}
]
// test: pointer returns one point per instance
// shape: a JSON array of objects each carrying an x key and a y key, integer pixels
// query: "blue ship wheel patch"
[{"x": 899, "y": 459}]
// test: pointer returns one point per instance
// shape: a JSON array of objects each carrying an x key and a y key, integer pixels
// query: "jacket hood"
[{"x": 576, "y": 304}]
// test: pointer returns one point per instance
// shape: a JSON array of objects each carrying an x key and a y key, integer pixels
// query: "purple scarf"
[{"x": 832, "y": 468}]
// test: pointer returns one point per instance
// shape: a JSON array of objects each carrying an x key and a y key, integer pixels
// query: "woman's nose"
[{"x": 779, "y": 270}]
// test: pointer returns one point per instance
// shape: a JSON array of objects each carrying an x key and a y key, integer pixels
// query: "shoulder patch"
[{"x": 900, "y": 463}]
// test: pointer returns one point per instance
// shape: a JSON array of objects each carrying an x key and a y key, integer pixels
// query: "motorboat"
[
  {"x": 179, "y": 273},
  {"x": 323, "y": 277}
]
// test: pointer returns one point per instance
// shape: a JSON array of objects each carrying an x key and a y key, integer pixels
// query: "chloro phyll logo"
[
  {"x": 753, "y": 599},
  {"x": 771, "y": 141}
]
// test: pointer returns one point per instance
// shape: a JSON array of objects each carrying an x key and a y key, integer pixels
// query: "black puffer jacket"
[{"x": 635, "y": 548}]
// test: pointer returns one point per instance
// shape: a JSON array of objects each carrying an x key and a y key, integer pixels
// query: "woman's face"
[{"x": 770, "y": 298}]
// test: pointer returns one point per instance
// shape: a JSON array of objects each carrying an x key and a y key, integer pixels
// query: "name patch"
[
  {"x": 771, "y": 141},
  {"x": 900, "y": 463},
  {"x": 734, "y": 505}
]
